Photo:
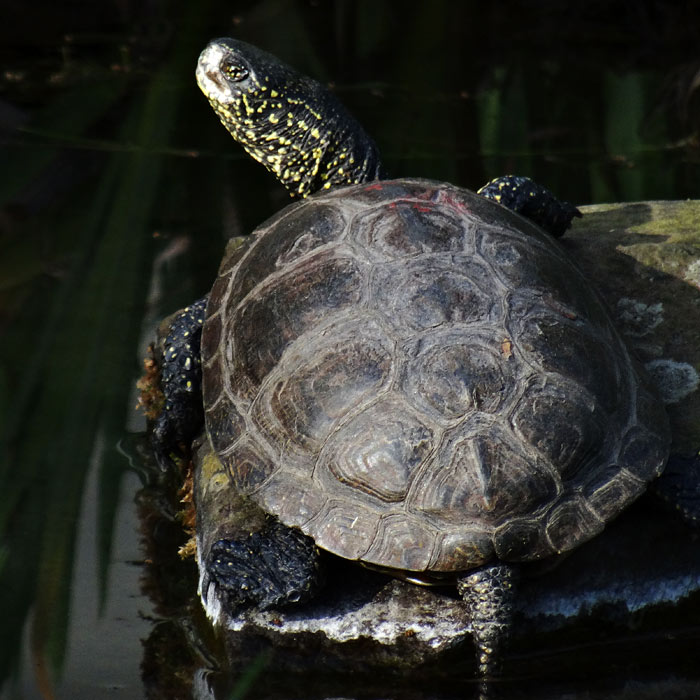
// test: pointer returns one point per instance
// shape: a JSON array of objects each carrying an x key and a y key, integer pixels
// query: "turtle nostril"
[{"x": 215, "y": 77}]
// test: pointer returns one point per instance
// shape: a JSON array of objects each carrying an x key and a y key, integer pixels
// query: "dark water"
[{"x": 118, "y": 188}]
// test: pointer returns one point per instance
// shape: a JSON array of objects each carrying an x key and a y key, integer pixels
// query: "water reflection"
[{"x": 107, "y": 619}]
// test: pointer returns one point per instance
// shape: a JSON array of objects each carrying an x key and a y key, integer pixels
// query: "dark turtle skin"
[{"x": 401, "y": 372}]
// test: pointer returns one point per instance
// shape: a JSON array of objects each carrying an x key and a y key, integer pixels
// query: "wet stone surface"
[{"x": 625, "y": 585}]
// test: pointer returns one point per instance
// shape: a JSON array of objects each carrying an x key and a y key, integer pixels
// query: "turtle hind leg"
[
  {"x": 679, "y": 487},
  {"x": 274, "y": 567},
  {"x": 535, "y": 202},
  {"x": 489, "y": 593},
  {"x": 182, "y": 415}
]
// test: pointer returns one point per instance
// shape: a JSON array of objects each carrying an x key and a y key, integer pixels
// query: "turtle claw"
[
  {"x": 204, "y": 586},
  {"x": 166, "y": 440},
  {"x": 161, "y": 450},
  {"x": 679, "y": 487}
]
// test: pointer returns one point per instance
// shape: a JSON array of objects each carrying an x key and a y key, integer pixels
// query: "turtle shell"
[{"x": 420, "y": 379}]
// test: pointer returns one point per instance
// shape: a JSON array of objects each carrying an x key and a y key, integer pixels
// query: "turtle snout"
[{"x": 210, "y": 78}]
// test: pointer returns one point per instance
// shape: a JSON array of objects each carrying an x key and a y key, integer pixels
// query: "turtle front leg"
[
  {"x": 489, "y": 593},
  {"x": 535, "y": 202},
  {"x": 182, "y": 415}
]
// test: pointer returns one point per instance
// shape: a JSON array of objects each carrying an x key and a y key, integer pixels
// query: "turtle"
[{"x": 400, "y": 372}]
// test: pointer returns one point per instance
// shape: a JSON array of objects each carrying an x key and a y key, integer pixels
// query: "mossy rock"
[{"x": 644, "y": 258}]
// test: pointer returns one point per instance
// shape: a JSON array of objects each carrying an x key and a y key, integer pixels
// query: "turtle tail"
[{"x": 489, "y": 593}]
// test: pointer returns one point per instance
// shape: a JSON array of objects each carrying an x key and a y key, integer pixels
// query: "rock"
[{"x": 644, "y": 258}]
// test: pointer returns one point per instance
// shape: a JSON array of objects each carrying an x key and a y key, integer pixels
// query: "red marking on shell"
[
  {"x": 420, "y": 207},
  {"x": 453, "y": 202},
  {"x": 374, "y": 187}
]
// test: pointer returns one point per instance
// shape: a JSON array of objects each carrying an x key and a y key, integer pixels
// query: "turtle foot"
[
  {"x": 275, "y": 567},
  {"x": 679, "y": 486},
  {"x": 535, "y": 202}
]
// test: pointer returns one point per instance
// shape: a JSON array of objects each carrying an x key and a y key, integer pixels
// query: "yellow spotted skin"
[
  {"x": 533, "y": 201},
  {"x": 180, "y": 382},
  {"x": 287, "y": 122}
]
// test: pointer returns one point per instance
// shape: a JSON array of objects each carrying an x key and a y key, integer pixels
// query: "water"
[
  {"x": 103, "y": 637},
  {"x": 118, "y": 188}
]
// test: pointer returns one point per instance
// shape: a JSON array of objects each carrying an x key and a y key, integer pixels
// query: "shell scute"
[
  {"x": 248, "y": 464},
  {"x": 381, "y": 192},
  {"x": 293, "y": 497},
  {"x": 521, "y": 539},
  {"x": 570, "y": 523},
  {"x": 308, "y": 393},
  {"x": 265, "y": 324},
  {"x": 564, "y": 423},
  {"x": 610, "y": 488},
  {"x": 482, "y": 474},
  {"x": 284, "y": 239},
  {"x": 378, "y": 450},
  {"x": 462, "y": 549},
  {"x": 346, "y": 529},
  {"x": 402, "y": 229},
  {"x": 403, "y": 542},
  {"x": 642, "y": 453},
  {"x": 527, "y": 263},
  {"x": 453, "y": 375},
  {"x": 225, "y": 423},
  {"x": 572, "y": 350},
  {"x": 432, "y": 291},
  {"x": 211, "y": 339}
]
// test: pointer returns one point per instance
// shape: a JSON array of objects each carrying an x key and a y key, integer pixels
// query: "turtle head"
[{"x": 290, "y": 123}]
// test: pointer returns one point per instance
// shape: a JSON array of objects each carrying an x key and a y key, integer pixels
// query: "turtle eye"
[{"x": 233, "y": 69}]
